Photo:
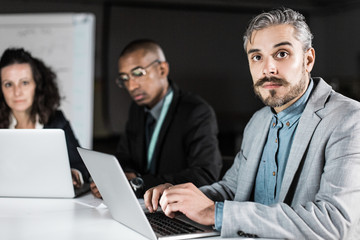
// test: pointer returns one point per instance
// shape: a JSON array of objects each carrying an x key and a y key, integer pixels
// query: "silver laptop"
[
  {"x": 125, "y": 207},
  {"x": 34, "y": 163}
]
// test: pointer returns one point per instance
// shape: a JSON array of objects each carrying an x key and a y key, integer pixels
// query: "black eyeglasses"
[{"x": 137, "y": 72}]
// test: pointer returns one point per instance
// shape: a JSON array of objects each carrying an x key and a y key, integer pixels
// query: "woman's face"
[{"x": 18, "y": 87}]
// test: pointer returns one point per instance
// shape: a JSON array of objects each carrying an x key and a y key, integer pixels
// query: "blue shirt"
[
  {"x": 275, "y": 155},
  {"x": 276, "y": 151}
]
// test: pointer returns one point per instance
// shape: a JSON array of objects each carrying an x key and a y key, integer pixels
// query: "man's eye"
[
  {"x": 282, "y": 54},
  {"x": 123, "y": 77},
  {"x": 138, "y": 72},
  {"x": 256, "y": 58}
]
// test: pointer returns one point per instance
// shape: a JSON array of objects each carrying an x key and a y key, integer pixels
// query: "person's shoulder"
[
  {"x": 185, "y": 96},
  {"x": 333, "y": 101},
  {"x": 340, "y": 104},
  {"x": 330, "y": 106},
  {"x": 342, "y": 99},
  {"x": 57, "y": 119},
  {"x": 189, "y": 106},
  {"x": 58, "y": 114},
  {"x": 191, "y": 99}
]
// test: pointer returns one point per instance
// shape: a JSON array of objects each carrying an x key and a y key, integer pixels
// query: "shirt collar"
[
  {"x": 292, "y": 113},
  {"x": 156, "y": 110}
]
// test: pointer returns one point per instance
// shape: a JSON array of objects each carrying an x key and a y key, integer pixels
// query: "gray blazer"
[{"x": 320, "y": 193}]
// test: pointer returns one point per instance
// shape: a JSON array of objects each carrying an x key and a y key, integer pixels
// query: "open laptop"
[
  {"x": 125, "y": 207},
  {"x": 35, "y": 163}
]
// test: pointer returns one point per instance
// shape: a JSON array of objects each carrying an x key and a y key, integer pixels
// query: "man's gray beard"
[{"x": 275, "y": 101}]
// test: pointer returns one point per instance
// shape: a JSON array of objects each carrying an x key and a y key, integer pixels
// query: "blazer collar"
[{"x": 309, "y": 120}]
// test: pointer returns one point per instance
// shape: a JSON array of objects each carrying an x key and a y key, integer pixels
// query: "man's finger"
[{"x": 147, "y": 200}]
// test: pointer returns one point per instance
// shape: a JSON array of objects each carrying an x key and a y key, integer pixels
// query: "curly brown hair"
[{"x": 47, "y": 97}]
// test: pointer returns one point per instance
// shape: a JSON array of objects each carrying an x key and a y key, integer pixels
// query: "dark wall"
[
  {"x": 337, "y": 42},
  {"x": 204, "y": 48},
  {"x": 206, "y": 56},
  {"x": 205, "y": 51}
]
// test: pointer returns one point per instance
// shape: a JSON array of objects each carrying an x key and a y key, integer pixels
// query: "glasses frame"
[{"x": 121, "y": 82}]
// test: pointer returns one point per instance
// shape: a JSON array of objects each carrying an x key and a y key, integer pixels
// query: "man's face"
[
  {"x": 149, "y": 89},
  {"x": 279, "y": 66}
]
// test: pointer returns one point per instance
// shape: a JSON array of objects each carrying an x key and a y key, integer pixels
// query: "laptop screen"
[
  {"x": 120, "y": 198},
  {"x": 34, "y": 163}
]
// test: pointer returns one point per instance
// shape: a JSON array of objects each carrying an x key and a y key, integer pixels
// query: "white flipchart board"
[{"x": 65, "y": 42}]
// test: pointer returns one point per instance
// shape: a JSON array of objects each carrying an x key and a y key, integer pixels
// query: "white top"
[{"x": 13, "y": 122}]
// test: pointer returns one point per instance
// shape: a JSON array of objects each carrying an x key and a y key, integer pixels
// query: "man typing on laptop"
[{"x": 297, "y": 173}]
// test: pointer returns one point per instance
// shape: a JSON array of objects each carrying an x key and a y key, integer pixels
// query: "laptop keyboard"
[{"x": 166, "y": 226}]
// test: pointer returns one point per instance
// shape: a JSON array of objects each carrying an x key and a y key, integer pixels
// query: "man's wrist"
[{"x": 137, "y": 185}]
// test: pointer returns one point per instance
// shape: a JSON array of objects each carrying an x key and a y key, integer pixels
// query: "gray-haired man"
[{"x": 297, "y": 173}]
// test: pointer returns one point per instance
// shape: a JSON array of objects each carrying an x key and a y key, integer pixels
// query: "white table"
[
  {"x": 84, "y": 218},
  {"x": 66, "y": 219}
]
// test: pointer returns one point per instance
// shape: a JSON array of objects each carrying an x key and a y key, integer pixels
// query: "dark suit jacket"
[
  {"x": 187, "y": 147},
  {"x": 58, "y": 120}
]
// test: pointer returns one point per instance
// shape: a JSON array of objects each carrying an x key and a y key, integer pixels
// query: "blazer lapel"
[
  {"x": 139, "y": 130},
  {"x": 307, "y": 125},
  {"x": 302, "y": 138}
]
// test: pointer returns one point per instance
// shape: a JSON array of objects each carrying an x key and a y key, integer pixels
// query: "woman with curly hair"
[{"x": 29, "y": 99}]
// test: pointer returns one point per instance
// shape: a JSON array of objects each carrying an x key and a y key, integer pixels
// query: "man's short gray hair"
[{"x": 277, "y": 17}]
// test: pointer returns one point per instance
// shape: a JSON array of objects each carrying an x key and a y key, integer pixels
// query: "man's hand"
[
  {"x": 185, "y": 198},
  {"x": 152, "y": 196},
  {"x": 94, "y": 190},
  {"x": 76, "y": 178},
  {"x": 189, "y": 200}
]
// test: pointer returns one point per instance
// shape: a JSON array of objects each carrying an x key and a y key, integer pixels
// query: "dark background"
[{"x": 202, "y": 40}]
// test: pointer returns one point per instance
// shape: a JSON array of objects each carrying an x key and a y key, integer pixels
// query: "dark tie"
[{"x": 149, "y": 128}]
